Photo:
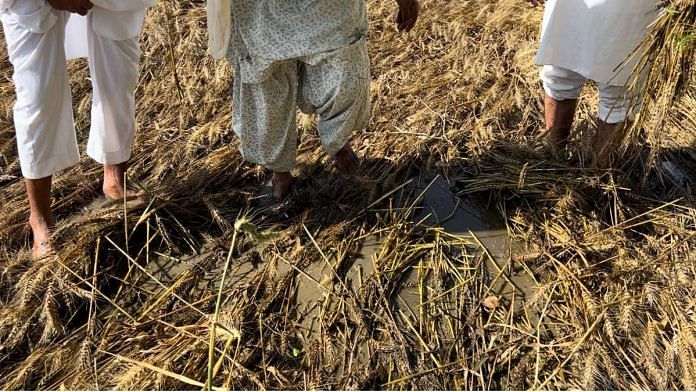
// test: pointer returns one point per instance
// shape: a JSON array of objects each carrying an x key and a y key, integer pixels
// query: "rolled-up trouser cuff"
[
  {"x": 616, "y": 104},
  {"x": 561, "y": 84},
  {"x": 110, "y": 158},
  {"x": 34, "y": 171}
]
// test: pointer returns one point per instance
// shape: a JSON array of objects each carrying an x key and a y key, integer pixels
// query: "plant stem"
[{"x": 211, "y": 348}]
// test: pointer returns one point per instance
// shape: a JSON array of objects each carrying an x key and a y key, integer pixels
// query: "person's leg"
[
  {"x": 41, "y": 218},
  {"x": 337, "y": 87},
  {"x": 616, "y": 112},
  {"x": 264, "y": 119},
  {"x": 43, "y": 118},
  {"x": 559, "y": 117},
  {"x": 114, "y": 72},
  {"x": 563, "y": 88}
]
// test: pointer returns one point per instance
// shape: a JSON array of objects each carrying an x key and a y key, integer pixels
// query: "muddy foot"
[
  {"x": 282, "y": 184},
  {"x": 347, "y": 161},
  {"x": 41, "y": 230}
]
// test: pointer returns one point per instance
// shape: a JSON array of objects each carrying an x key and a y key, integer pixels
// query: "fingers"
[
  {"x": 537, "y": 2},
  {"x": 83, "y": 6},
  {"x": 408, "y": 15}
]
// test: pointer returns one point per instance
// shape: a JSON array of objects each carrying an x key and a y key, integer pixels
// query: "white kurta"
[
  {"x": 595, "y": 37},
  {"x": 35, "y": 34}
]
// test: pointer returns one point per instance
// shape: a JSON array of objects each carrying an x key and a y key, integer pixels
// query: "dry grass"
[
  {"x": 666, "y": 59},
  {"x": 613, "y": 262}
]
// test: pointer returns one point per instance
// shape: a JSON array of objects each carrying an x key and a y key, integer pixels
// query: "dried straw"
[{"x": 609, "y": 267}]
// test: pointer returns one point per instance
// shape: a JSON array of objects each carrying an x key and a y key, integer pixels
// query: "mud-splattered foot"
[
  {"x": 347, "y": 161},
  {"x": 282, "y": 184},
  {"x": 41, "y": 230}
]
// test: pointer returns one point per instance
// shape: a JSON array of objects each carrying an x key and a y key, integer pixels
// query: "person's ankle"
[
  {"x": 116, "y": 171},
  {"x": 346, "y": 160},
  {"x": 114, "y": 185},
  {"x": 41, "y": 221},
  {"x": 282, "y": 183},
  {"x": 280, "y": 176}
]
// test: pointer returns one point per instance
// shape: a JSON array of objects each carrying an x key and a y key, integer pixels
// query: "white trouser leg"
[
  {"x": 43, "y": 115},
  {"x": 616, "y": 104},
  {"x": 562, "y": 84},
  {"x": 114, "y": 70}
]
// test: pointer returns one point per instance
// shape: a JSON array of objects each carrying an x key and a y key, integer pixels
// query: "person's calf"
[
  {"x": 559, "y": 116},
  {"x": 41, "y": 218},
  {"x": 606, "y": 143}
]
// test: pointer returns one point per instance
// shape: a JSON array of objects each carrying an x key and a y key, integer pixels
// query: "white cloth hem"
[
  {"x": 37, "y": 172},
  {"x": 109, "y": 158}
]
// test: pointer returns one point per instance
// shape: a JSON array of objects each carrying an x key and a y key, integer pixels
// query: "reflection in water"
[
  {"x": 315, "y": 287},
  {"x": 440, "y": 207}
]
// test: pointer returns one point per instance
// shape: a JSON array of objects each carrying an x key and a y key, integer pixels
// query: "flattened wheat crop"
[{"x": 134, "y": 299}]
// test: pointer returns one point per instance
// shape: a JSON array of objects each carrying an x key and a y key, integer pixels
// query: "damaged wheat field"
[{"x": 463, "y": 256}]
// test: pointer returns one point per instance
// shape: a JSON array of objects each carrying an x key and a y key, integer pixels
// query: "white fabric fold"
[
  {"x": 595, "y": 37},
  {"x": 116, "y": 20},
  {"x": 117, "y": 25},
  {"x": 36, "y": 16},
  {"x": 76, "y": 45},
  {"x": 219, "y": 27},
  {"x": 5, "y": 4}
]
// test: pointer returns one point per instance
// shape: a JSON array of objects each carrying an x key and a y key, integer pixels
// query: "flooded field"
[
  {"x": 463, "y": 255},
  {"x": 480, "y": 241}
]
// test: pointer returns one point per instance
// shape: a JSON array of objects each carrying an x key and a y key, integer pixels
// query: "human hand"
[
  {"x": 75, "y": 6},
  {"x": 408, "y": 14},
  {"x": 537, "y": 2}
]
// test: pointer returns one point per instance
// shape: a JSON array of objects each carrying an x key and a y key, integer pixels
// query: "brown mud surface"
[{"x": 511, "y": 270}]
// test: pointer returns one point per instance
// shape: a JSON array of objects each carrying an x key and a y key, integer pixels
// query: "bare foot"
[
  {"x": 347, "y": 161},
  {"x": 114, "y": 183},
  {"x": 41, "y": 229},
  {"x": 282, "y": 184}
]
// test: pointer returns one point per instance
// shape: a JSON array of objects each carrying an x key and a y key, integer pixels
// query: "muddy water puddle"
[
  {"x": 441, "y": 207},
  {"x": 317, "y": 288},
  {"x": 436, "y": 205}
]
